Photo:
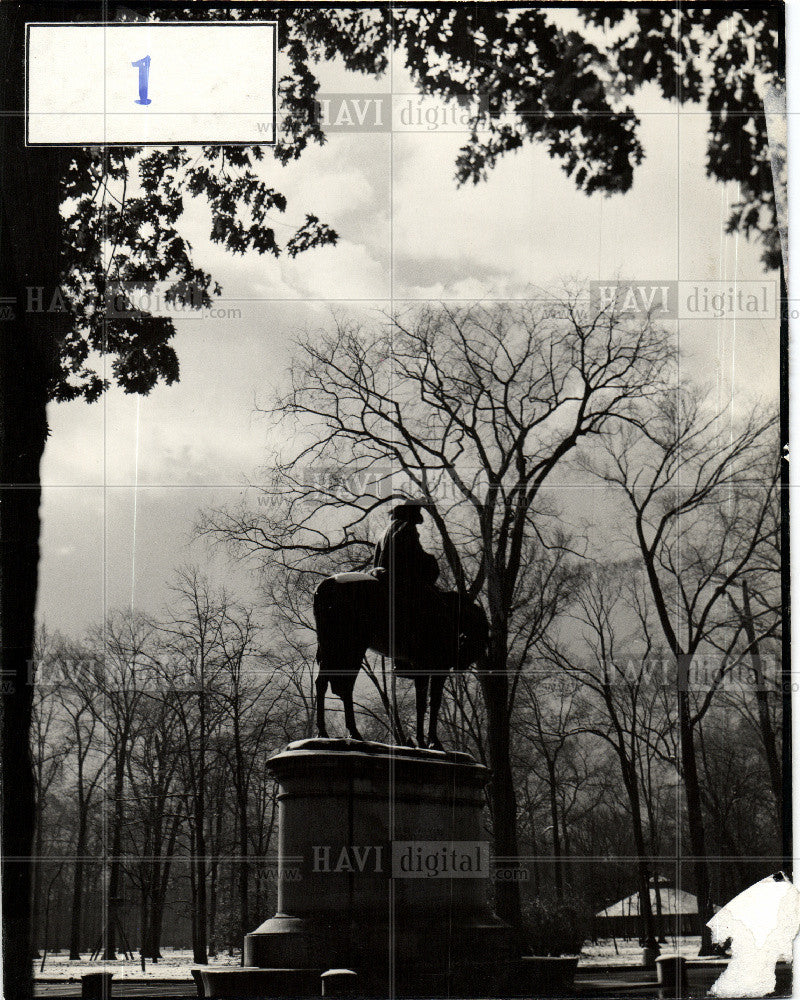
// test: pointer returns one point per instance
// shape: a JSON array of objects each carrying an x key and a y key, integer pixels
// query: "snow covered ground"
[
  {"x": 178, "y": 963},
  {"x": 630, "y": 952}
]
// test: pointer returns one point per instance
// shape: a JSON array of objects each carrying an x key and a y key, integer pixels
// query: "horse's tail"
[{"x": 324, "y": 616}]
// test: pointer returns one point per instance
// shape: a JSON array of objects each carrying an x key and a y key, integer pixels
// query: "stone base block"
[
  {"x": 384, "y": 869},
  {"x": 404, "y": 958},
  {"x": 340, "y": 983},
  {"x": 238, "y": 984}
]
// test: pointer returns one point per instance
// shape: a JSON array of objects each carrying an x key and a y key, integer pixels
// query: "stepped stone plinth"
[{"x": 383, "y": 869}]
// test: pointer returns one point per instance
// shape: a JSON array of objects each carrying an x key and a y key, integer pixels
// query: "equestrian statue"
[{"x": 396, "y": 610}]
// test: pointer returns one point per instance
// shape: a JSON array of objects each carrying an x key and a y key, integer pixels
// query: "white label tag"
[{"x": 151, "y": 83}]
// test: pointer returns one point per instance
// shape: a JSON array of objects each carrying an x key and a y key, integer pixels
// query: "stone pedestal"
[{"x": 383, "y": 869}]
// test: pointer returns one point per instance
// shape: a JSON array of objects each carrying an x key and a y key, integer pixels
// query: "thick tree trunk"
[
  {"x": 155, "y": 924},
  {"x": 501, "y": 786},
  {"x": 151, "y": 941},
  {"x": 144, "y": 923},
  {"x": 193, "y": 886},
  {"x": 30, "y": 243},
  {"x": 149, "y": 907},
  {"x": 115, "y": 864},
  {"x": 762, "y": 703},
  {"x": 150, "y": 882},
  {"x": 160, "y": 894},
  {"x": 241, "y": 784},
  {"x": 642, "y": 870},
  {"x": 38, "y": 855},
  {"x": 244, "y": 875},
  {"x": 151, "y": 848},
  {"x": 558, "y": 877},
  {"x": 694, "y": 808},
  {"x": 200, "y": 944},
  {"x": 213, "y": 893},
  {"x": 76, "y": 919}
]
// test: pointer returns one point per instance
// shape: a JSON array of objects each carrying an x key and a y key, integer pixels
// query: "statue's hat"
[{"x": 409, "y": 510}]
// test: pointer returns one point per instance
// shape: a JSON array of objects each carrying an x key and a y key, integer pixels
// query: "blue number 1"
[{"x": 144, "y": 73}]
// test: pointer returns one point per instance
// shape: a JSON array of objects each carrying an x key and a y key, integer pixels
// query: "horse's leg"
[
  {"x": 347, "y": 702},
  {"x": 400, "y": 736},
  {"x": 421, "y": 685},
  {"x": 321, "y": 688},
  {"x": 437, "y": 688},
  {"x": 350, "y": 718}
]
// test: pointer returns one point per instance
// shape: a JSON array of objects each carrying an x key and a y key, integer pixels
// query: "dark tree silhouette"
[
  {"x": 566, "y": 87},
  {"x": 48, "y": 354}
]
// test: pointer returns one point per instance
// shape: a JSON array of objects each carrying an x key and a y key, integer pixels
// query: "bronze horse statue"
[{"x": 353, "y": 614}]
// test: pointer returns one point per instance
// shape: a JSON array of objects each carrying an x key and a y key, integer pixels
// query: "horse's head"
[{"x": 473, "y": 637}]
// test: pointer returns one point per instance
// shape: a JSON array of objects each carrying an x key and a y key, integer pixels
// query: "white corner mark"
[{"x": 761, "y": 922}]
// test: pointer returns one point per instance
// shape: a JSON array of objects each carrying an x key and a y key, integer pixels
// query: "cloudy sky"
[{"x": 125, "y": 478}]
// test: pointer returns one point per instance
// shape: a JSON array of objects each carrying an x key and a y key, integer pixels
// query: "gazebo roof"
[{"x": 674, "y": 902}]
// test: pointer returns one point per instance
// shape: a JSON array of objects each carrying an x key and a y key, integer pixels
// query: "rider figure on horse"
[
  {"x": 396, "y": 611},
  {"x": 410, "y": 572},
  {"x": 400, "y": 552}
]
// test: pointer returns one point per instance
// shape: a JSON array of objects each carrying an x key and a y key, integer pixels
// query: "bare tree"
[
  {"x": 699, "y": 492},
  {"x": 190, "y": 645},
  {"x": 463, "y": 715},
  {"x": 473, "y": 409},
  {"x": 250, "y": 691},
  {"x": 88, "y": 755},
  {"x": 48, "y": 748},
  {"x": 546, "y": 722},
  {"x": 616, "y": 663},
  {"x": 120, "y": 676},
  {"x": 157, "y": 809},
  {"x": 758, "y": 605}
]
